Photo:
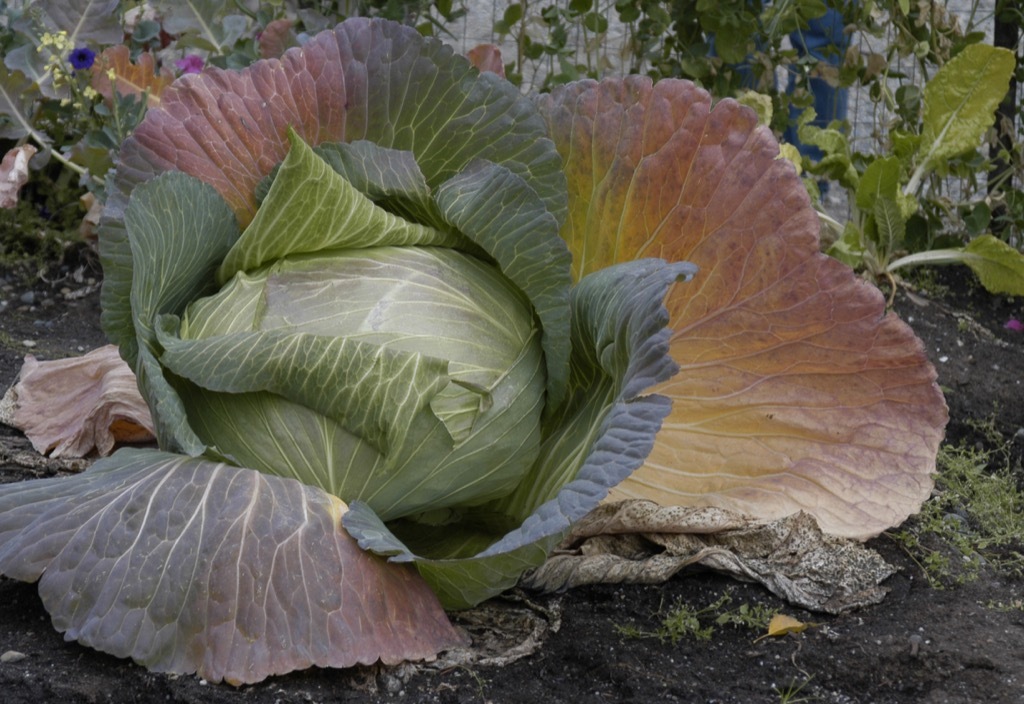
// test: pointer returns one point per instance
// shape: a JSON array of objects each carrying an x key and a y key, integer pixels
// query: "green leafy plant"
[
  {"x": 429, "y": 17},
  {"x": 976, "y": 519},
  {"x": 565, "y": 27},
  {"x": 400, "y": 326},
  {"x": 958, "y": 106},
  {"x": 791, "y": 693},
  {"x": 78, "y": 75},
  {"x": 683, "y": 621}
]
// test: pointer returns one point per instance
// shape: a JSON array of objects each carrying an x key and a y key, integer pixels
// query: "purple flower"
[
  {"x": 82, "y": 58},
  {"x": 1015, "y": 325},
  {"x": 190, "y": 64}
]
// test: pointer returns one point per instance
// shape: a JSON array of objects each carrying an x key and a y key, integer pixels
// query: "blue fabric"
[{"x": 825, "y": 40}]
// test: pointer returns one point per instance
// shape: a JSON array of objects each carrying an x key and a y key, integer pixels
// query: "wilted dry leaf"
[
  {"x": 69, "y": 407},
  {"x": 638, "y": 541},
  {"x": 91, "y": 219},
  {"x": 130, "y": 78},
  {"x": 487, "y": 57},
  {"x": 14, "y": 174}
]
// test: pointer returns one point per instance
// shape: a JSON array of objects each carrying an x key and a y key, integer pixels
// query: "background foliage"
[{"x": 734, "y": 48}]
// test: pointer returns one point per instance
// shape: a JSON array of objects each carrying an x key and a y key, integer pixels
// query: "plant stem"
[
  {"x": 78, "y": 169},
  {"x": 935, "y": 256},
  {"x": 915, "y": 180}
]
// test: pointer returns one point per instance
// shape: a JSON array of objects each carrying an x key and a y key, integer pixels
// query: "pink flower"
[
  {"x": 1015, "y": 325},
  {"x": 190, "y": 64}
]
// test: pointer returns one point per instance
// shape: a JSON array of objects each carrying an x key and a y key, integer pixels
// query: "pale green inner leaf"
[{"x": 311, "y": 208}]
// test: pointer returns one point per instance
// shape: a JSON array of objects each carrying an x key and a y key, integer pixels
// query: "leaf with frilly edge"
[
  {"x": 364, "y": 80},
  {"x": 191, "y": 566},
  {"x": 795, "y": 390}
]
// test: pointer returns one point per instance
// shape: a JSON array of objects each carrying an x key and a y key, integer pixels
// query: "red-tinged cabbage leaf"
[
  {"x": 186, "y": 565},
  {"x": 366, "y": 80},
  {"x": 795, "y": 390}
]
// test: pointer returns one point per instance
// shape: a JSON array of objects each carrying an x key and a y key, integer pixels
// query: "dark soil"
[{"x": 921, "y": 644}]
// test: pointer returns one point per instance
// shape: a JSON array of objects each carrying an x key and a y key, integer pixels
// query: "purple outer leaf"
[
  {"x": 367, "y": 79},
  {"x": 187, "y": 566}
]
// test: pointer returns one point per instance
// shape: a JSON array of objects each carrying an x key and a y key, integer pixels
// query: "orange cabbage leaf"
[
  {"x": 795, "y": 391},
  {"x": 129, "y": 78}
]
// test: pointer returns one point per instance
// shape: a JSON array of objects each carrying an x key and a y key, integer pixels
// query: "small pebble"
[
  {"x": 391, "y": 683},
  {"x": 28, "y": 298},
  {"x": 29, "y": 343},
  {"x": 915, "y": 644},
  {"x": 12, "y": 656}
]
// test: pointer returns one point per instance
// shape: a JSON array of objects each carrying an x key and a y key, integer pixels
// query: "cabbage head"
[
  {"x": 399, "y": 326},
  {"x": 375, "y": 338}
]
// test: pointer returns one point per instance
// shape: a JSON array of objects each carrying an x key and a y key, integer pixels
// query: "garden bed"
[{"x": 950, "y": 630}]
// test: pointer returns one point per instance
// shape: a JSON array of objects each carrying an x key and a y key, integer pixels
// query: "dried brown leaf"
[
  {"x": 71, "y": 407},
  {"x": 129, "y": 78},
  {"x": 14, "y": 174},
  {"x": 487, "y": 57}
]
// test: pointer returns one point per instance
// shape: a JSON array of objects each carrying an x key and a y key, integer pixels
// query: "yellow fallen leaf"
[{"x": 781, "y": 625}]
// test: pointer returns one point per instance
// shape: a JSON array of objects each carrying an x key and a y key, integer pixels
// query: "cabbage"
[
  {"x": 399, "y": 327},
  {"x": 469, "y": 331}
]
